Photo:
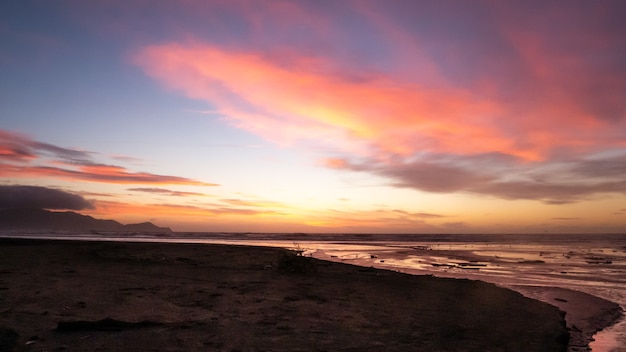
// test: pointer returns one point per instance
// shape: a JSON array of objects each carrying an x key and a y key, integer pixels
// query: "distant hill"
[{"x": 40, "y": 219}]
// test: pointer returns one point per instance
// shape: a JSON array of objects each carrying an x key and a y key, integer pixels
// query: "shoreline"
[
  {"x": 586, "y": 314},
  {"x": 79, "y": 295}
]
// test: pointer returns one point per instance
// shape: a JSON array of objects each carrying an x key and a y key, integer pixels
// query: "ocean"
[{"x": 594, "y": 264}]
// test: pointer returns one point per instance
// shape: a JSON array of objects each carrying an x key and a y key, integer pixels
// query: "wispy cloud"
[
  {"x": 15, "y": 147},
  {"x": 500, "y": 176},
  {"x": 418, "y": 215},
  {"x": 21, "y": 156},
  {"x": 167, "y": 192},
  {"x": 95, "y": 194},
  {"x": 98, "y": 173},
  {"x": 377, "y": 220},
  {"x": 127, "y": 159},
  {"x": 251, "y": 203},
  {"x": 175, "y": 210}
]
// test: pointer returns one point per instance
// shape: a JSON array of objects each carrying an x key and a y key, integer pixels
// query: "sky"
[{"x": 394, "y": 116}]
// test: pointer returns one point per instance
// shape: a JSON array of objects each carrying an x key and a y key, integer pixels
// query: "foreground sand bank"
[{"x": 85, "y": 296}]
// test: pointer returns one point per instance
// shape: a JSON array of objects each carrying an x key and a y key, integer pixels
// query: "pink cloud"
[
  {"x": 487, "y": 99},
  {"x": 302, "y": 98},
  {"x": 97, "y": 173}
]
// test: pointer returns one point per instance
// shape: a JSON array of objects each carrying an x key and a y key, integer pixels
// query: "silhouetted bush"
[{"x": 293, "y": 261}]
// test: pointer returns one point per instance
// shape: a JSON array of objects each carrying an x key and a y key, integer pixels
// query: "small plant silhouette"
[{"x": 293, "y": 261}]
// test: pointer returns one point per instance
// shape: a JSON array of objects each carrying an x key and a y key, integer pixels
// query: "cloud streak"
[
  {"x": 23, "y": 157},
  {"x": 98, "y": 173},
  {"x": 390, "y": 220},
  {"x": 15, "y": 147},
  {"x": 500, "y": 176},
  {"x": 252, "y": 203},
  {"x": 167, "y": 192},
  {"x": 177, "y": 210}
]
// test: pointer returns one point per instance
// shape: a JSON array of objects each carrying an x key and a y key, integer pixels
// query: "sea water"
[{"x": 594, "y": 264}]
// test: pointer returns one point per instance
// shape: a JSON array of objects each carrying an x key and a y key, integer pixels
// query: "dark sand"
[{"x": 103, "y": 296}]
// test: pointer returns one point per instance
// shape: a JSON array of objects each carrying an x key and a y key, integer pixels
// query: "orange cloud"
[
  {"x": 200, "y": 218},
  {"x": 167, "y": 192},
  {"x": 252, "y": 203},
  {"x": 386, "y": 220},
  {"x": 108, "y": 207},
  {"x": 336, "y": 163}
]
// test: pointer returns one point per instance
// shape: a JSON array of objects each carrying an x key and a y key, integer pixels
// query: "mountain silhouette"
[{"x": 40, "y": 219}]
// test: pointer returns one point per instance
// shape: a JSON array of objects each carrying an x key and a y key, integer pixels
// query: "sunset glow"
[{"x": 306, "y": 116}]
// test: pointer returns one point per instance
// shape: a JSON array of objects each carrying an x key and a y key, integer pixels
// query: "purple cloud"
[
  {"x": 34, "y": 197},
  {"x": 501, "y": 176}
]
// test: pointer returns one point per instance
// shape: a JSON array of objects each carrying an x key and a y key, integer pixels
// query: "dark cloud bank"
[{"x": 34, "y": 197}]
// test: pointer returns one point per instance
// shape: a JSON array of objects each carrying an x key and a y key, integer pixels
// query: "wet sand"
[
  {"x": 86, "y": 296},
  {"x": 586, "y": 314}
]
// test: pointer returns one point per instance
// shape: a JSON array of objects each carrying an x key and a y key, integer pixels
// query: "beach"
[{"x": 114, "y": 296}]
